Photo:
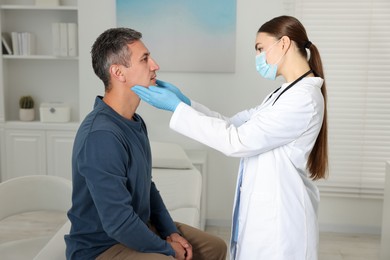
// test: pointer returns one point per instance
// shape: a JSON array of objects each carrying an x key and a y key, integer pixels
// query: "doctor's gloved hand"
[
  {"x": 175, "y": 90},
  {"x": 158, "y": 97}
]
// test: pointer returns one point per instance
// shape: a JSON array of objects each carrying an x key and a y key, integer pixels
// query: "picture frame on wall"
[{"x": 184, "y": 36}]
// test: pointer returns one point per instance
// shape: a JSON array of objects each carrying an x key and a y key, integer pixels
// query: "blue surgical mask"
[{"x": 266, "y": 70}]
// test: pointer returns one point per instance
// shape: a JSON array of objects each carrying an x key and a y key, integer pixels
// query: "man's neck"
[{"x": 124, "y": 105}]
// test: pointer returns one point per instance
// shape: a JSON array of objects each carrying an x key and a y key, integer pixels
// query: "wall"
[{"x": 224, "y": 92}]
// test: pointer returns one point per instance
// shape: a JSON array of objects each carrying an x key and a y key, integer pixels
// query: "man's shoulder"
[{"x": 98, "y": 120}]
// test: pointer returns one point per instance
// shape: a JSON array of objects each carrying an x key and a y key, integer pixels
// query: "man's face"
[{"x": 142, "y": 70}]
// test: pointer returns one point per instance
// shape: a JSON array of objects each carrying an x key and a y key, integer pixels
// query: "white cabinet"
[
  {"x": 59, "y": 153},
  {"x": 25, "y": 153},
  {"x": 31, "y": 149}
]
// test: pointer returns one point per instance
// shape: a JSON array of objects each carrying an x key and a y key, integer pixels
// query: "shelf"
[
  {"x": 35, "y": 7},
  {"x": 47, "y": 77},
  {"x": 38, "y": 57}
]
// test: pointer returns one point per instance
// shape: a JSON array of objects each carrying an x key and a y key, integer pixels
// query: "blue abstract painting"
[{"x": 182, "y": 35}]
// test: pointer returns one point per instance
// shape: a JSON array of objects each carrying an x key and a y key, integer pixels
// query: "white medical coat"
[{"x": 278, "y": 202}]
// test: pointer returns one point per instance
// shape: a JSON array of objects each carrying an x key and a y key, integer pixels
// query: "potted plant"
[{"x": 26, "y": 111}]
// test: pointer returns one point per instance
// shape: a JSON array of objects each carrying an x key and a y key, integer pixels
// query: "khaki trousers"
[{"x": 204, "y": 247}]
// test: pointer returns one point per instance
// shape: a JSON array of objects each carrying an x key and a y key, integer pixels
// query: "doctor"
[{"x": 282, "y": 142}]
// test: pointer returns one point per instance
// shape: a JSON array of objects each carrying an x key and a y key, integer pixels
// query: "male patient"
[{"x": 117, "y": 211}]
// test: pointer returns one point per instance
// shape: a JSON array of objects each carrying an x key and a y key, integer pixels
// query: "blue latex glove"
[
  {"x": 175, "y": 90},
  {"x": 161, "y": 98}
]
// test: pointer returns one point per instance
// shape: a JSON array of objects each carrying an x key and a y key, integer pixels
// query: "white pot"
[{"x": 26, "y": 114}]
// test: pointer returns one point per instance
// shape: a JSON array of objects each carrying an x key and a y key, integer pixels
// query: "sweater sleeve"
[{"x": 103, "y": 165}]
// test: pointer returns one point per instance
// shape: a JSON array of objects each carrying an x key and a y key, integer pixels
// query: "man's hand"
[
  {"x": 180, "y": 252},
  {"x": 176, "y": 238}
]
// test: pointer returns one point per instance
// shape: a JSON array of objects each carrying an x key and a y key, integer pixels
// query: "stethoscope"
[{"x": 289, "y": 86}]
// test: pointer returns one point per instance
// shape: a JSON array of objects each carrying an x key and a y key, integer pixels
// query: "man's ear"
[{"x": 116, "y": 73}]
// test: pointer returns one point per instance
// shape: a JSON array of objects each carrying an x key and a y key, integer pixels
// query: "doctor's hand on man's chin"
[
  {"x": 175, "y": 90},
  {"x": 158, "y": 97}
]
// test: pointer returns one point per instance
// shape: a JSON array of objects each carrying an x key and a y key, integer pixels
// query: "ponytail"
[{"x": 318, "y": 158}]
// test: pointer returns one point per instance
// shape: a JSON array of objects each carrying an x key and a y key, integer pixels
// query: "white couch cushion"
[
  {"x": 189, "y": 216},
  {"x": 169, "y": 155},
  {"x": 181, "y": 191}
]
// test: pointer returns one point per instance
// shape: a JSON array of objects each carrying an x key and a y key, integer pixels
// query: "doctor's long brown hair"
[{"x": 289, "y": 26}]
